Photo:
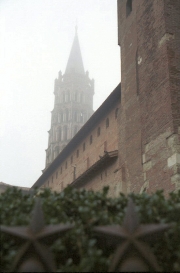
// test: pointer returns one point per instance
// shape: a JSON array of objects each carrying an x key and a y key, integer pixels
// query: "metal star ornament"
[
  {"x": 34, "y": 255},
  {"x": 130, "y": 240}
]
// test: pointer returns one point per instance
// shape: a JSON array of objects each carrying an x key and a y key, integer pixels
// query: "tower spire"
[
  {"x": 75, "y": 62},
  {"x": 76, "y": 27}
]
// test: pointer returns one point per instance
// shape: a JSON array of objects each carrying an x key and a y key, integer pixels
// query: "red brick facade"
[
  {"x": 140, "y": 150},
  {"x": 149, "y": 120},
  {"x": 90, "y": 160}
]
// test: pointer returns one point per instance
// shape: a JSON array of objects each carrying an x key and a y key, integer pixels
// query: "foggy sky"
[{"x": 35, "y": 41}]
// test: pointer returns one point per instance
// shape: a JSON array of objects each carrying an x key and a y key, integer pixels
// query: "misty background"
[{"x": 35, "y": 41}]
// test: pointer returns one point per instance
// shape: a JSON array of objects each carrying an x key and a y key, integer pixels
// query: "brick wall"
[
  {"x": 149, "y": 121},
  {"x": 87, "y": 153}
]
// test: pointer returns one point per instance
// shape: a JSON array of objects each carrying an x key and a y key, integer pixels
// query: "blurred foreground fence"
[{"x": 129, "y": 242}]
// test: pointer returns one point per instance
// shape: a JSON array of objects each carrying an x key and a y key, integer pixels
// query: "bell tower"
[
  {"x": 149, "y": 119},
  {"x": 73, "y": 104}
]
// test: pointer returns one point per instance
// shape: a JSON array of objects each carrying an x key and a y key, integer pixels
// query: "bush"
[{"x": 78, "y": 250}]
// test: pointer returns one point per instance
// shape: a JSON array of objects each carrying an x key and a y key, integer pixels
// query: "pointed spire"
[{"x": 75, "y": 62}]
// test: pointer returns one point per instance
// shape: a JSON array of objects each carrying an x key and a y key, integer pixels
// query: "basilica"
[{"x": 131, "y": 143}]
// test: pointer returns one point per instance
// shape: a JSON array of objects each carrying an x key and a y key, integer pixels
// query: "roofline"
[
  {"x": 105, "y": 108},
  {"x": 104, "y": 159}
]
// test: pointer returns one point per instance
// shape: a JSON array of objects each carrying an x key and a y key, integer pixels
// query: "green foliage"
[{"x": 78, "y": 250}]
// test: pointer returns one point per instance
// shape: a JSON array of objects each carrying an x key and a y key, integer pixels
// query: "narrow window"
[
  {"x": 81, "y": 117},
  {"x": 116, "y": 113},
  {"x": 98, "y": 131},
  {"x": 77, "y": 153},
  {"x": 84, "y": 146},
  {"x": 128, "y": 7},
  {"x": 105, "y": 146},
  {"x": 107, "y": 122},
  {"x": 71, "y": 159},
  {"x": 88, "y": 163},
  {"x": 91, "y": 139}
]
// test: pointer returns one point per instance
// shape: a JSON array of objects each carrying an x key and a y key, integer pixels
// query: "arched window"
[
  {"x": 64, "y": 97},
  {"x": 128, "y": 7},
  {"x": 61, "y": 116},
  {"x": 56, "y": 151},
  {"x": 75, "y": 130},
  {"x": 76, "y": 96},
  {"x": 65, "y": 133},
  {"x": 60, "y": 97},
  {"x": 59, "y": 133},
  {"x": 55, "y": 118},
  {"x": 67, "y": 96},
  {"x": 107, "y": 122},
  {"x": 76, "y": 115},
  {"x": 82, "y": 97},
  {"x": 66, "y": 115},
  {"x": 63, "y": 146},
  {"x": 54, "y": 134},
  {"x": 81, "y": 116}
]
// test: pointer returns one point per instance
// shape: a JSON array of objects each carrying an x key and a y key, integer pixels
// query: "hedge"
[{"x": 79, "y": 250}]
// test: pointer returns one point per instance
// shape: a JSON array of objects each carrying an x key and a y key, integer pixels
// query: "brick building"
[
  {"x": 149, "y": 119},
  {"x": 90, "y": 159},
  {"x": 141, "y": 150}
]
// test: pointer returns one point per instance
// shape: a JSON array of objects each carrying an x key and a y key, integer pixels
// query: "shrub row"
[{"x": 78, "y": 250}]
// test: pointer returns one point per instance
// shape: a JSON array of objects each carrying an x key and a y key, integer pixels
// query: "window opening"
[
  {"x": 98, "y": 131},
  {"x": 107, "y": 122},
  {"x": 105, "y": 146},
  {"x": 128, "y": 7},
  {"x": 65, "y": 133},
  {"x": 116, "y": 113},
  {"x": 88, "y": 163},
  {"x": 91, "y": 139},
  {"x": 84, "y": 146}
]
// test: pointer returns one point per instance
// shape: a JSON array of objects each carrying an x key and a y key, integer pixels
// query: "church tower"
[{"x": 73, "y": 104}]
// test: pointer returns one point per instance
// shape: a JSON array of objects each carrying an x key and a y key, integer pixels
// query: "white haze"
[{"x": 35, "y": 41}]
